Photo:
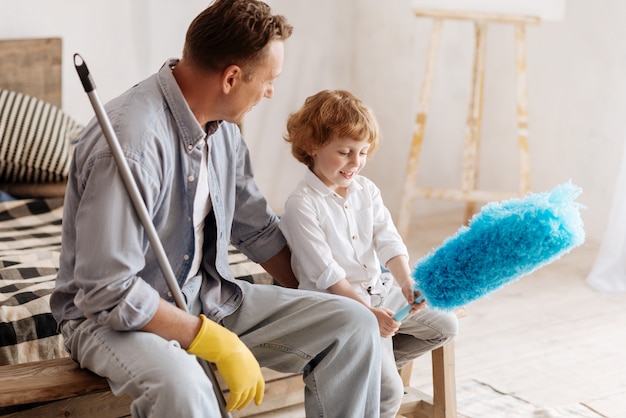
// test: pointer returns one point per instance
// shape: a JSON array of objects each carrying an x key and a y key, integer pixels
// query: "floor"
[{"x": 547, "y": 338}]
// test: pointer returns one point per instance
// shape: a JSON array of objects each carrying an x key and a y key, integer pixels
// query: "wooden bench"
[
  {"x": 57, "y": 388},
  {"x": 60, "y": 388}
]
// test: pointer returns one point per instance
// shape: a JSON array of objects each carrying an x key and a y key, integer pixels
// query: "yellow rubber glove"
[{"x": 234, "y": 361}]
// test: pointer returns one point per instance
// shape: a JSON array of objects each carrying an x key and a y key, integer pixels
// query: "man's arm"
[
  {"x": 279, "y": 267},
  {"x": 172, "y": 323}
]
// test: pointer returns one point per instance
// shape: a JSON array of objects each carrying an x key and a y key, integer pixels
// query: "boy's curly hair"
[{"x": 328, "y": 115}]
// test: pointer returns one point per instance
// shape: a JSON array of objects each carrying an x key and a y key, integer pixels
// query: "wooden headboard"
[{"x": 33, "y": 67}]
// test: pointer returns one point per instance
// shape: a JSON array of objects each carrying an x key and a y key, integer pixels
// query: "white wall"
[
  {"x": 121, "y": 41},
  {"x": 576, "y": 89},
  {"x": 576, "y": 85}
]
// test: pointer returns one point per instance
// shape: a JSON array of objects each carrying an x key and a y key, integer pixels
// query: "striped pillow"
[{"x": 35, "y": 138}]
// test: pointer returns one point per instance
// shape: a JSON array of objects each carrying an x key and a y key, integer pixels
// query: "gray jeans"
[{"x": 333, "y": 340}]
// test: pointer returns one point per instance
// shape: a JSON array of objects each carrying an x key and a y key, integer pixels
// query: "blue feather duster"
[{"x": 503, "y": 242}]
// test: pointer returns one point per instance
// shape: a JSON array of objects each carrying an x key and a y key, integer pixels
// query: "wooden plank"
[
  {"x": 484, "y": 17},
  {"x": 45, "y": 381},
  {"x": 72, "y": 391},
  {"x": 416, "y": 404},
  {"x": 444, "y": 383},
  {"x": 281, "y": 391},
  {"x": 466, "y": 196},
  {"x": 94, "y": 405},
  {"x": 33, "y": 67}
]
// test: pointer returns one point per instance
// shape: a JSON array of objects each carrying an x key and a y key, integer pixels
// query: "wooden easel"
[{"x": 468, "y": 191}]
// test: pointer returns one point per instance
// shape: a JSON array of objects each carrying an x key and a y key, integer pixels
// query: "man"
[{"x": 179, "y": 135}]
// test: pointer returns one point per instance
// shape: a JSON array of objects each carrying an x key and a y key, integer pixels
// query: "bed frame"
[{"x": 59, "y": 387}]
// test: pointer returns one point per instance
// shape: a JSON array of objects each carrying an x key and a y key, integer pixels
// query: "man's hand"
[{"x": 234, "y": 361}]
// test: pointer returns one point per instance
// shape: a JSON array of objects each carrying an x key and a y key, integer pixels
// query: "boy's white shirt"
[{"x": 332, "y": 238}]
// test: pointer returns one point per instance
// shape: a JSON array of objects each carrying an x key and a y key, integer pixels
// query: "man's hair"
[
  {"x": 233, "y": 32},
  {"x": 328, "y": 115}
]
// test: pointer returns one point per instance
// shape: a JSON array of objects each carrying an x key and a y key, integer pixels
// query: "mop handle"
[
  {"x": 140, "y": 207},
  {"x": 404, "y": 312}
]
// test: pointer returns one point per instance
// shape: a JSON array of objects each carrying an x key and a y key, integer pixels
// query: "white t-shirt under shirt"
[{"x": 201, "y": 208}]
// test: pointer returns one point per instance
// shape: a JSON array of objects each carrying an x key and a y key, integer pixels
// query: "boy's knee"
[{"x": 450, "y": 325}]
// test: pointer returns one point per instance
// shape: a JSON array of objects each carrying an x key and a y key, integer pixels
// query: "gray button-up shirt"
[{"x": 108, "y": 271}]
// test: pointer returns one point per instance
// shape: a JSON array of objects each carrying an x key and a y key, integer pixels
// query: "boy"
[{"x": 340, "y": 233}]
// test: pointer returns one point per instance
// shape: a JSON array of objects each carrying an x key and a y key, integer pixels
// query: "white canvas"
[{"x": 545, "y": 9}]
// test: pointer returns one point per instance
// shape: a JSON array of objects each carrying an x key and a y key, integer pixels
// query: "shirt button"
[
  {"x": 353, "y": 237},
  {"x": 190, "y": 147},
  {"x": 191, "y": 178},
  {"x": 364, "y": 266},
  {"x": 345, "y": 206},
  {"x": 169, "y": 294},
  {"x": 186, "y": 257}
]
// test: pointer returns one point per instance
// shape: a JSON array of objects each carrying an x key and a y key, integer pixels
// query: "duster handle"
[
  {"x": 404, "y": 312},
  {"x": 140, "y": 208}
]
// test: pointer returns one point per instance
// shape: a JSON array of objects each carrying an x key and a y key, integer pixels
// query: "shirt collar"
[
  {"x": 314, "y": 182},
  {"x": 191, "y": 132}
]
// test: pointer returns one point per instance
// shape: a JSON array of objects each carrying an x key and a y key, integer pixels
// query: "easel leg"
[
  {"x": 474, "y": 120},
  {"x": 522, "y": 107},
  {"x": 410, "y": 177}
]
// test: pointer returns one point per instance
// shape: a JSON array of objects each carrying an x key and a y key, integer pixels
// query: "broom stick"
[{"x": 140, "y": 208}]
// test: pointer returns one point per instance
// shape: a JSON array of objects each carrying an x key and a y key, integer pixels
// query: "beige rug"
[{"x": 480, "y": 400}]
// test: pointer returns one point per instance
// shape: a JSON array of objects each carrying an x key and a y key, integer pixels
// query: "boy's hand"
[
  {"x": 387, "y": 325},
  {"x": 411, "y": 296}
]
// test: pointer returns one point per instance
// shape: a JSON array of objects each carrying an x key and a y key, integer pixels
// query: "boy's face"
[{"x": 339, "y": 161}]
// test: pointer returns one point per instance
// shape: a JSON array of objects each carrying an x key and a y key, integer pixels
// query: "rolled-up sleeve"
[
  {"x": 110, "y": 250},
  {"x": 255, "y": 228}
]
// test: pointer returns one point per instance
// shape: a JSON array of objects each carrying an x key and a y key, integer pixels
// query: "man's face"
[{"x": 261, "y": 82}]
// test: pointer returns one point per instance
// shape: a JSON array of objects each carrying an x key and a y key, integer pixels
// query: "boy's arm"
[
  {"x": 343, "y": 288},
  {"x": 401, "y": 272}
]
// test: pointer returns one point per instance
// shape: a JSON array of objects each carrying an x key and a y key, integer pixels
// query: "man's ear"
[{"x": 231, "y": 77}]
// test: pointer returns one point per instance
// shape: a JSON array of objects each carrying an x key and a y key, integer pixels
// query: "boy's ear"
[
  {"x": 311, "y": 151},
  {"x": 231, "y": 77}
]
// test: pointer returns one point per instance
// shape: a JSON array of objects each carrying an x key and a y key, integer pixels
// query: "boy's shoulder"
[{"x": 365, "y": 182}]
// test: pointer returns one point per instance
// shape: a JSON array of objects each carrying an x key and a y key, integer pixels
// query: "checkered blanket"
[{"x": 30, "y": 242}]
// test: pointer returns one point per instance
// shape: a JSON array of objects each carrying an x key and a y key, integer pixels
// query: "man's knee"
[
  {"x": 357, "y": 317},
  {"x": 181, "y": 387}
]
